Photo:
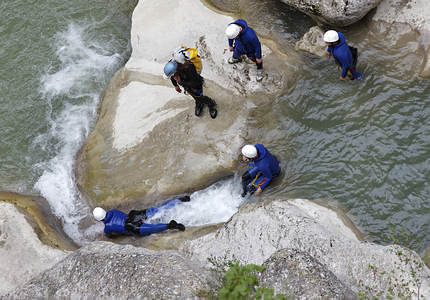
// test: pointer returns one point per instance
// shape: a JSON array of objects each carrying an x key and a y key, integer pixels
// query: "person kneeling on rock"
[
  {"x": 119, "y": 223},
  {"x": 242, "y": 40},
  {"x": 262, "y": 168},
  {"x": 186, "y": 75}
]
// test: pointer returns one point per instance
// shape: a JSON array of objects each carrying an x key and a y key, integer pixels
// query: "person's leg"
[
  {"x": 259, "y": 66},
  {"x": 147, "y": 229},
  {"x": 211, "y": 104},
  {"x": 166, "y": 205},
  {"x": 246, "y": 179},
  {"x": 197, "y": 95}
]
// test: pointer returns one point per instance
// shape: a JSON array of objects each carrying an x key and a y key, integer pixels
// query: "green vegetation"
[{"x": 237, "y": 282}]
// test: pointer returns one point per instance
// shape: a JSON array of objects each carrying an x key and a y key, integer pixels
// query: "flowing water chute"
[
  {"x": 72, "y": 87},
  {"x": 215, "y": 204}
]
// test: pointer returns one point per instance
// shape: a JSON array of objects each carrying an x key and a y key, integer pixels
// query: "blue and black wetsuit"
[
  {"x": 260, "y": 171},
  {"x": 118, "y": 222},
  {"x": 344, "y": 57},
  {"x": 246, "y": 43}
]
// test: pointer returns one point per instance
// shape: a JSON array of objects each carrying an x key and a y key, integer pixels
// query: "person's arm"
[
  {"x": 230, "y": 43},
  {"x": 175, "y": 84},
  {"x": 329, "y": 51}
]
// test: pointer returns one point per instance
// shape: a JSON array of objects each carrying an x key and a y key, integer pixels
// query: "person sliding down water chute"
[
  {"x": 262, "y": 168},
  {"x": 243, "y": 40},
  {"x": 344, "y": 55},
  {"x": 119, "y": 223},
  {"x": 186, "y": 76}
]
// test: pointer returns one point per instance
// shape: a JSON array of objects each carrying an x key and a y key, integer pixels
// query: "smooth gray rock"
[
  {"x": 313, "y": 42},
  {"x": 415, "y": 15},
  {"x": 259, "y": 230},
  {"x": 107, "y": 270},
  {"x": 22, "y": 254},
  {"x": 295, "y": 273},
  {"x": 334, "y": 12}
]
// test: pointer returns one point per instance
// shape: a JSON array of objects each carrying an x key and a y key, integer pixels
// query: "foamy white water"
[
  {"x": 215, "y": 204},
  {"x": 83, "y": 64}
]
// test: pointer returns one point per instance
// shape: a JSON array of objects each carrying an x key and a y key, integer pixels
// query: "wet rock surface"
[
  {"x": 259, "y": 230},
  {"x": 107, "y": 270},
  {"x": 295, "y": 273},
  {"x": 313, "y": 42},
  {"x": 22, "y": 254},
  {"x": 415, "y": 16},
  {"x": 147, "y": 141},
  {"x": 334, "y": 12}
]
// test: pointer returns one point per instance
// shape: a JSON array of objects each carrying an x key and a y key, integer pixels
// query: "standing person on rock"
[
  {"x": 119, "y": 223},
  {"x": 344, "y": 55},
  {"x": 242, "y": 40},
  {"x": 262, "y": 168},
  {"x": 186, "y": 76}
]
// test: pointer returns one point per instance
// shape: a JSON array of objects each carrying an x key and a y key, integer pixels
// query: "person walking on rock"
[
  {"x": 344, "y": 55},
  {"x": 186, "y": 76},
  {"x": 262, "y": 168},
  {"x": 243, "y": 40},
  {"x": 119, "y": 223}
]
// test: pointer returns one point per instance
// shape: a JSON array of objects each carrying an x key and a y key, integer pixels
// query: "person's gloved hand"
[
  {"x": 185, "y": 198},
  {"x": 175, "y": 225},
  {"x": 252, "y": 189}
]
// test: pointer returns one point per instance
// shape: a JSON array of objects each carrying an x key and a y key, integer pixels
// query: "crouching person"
[
  {"x": 119, "y": 223},
  {"x": 262, "y": 168}
]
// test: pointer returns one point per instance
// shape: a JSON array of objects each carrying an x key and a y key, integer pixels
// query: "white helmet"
[
  {"x": 249, "y": 151},
  {"x": 232, "y": 31},
  {"x": 99, "y": 213},
  {"x": 331, "y": 36},
  {"x": 179, "y": 55}
]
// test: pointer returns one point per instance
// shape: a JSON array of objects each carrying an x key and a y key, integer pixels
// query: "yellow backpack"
[{"x": 190, "y": 54}]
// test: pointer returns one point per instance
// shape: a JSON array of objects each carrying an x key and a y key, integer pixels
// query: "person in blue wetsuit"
[
  {"x": 243, "y": 40},
  {"x": 344, "y": 55},
  {"x": 262, "y": 168},
  {"x": 119, "y": 223}
]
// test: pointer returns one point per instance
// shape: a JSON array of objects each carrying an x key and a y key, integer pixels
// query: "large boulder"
[
  {"x": 147, "y": 141},
  {"x": 334, "y": 12},
  {"x": 106, "y": 270},
  {"x": 313, "y": 42},
  {"x": 415, "y": 15},
  {"x": 299, "y": 275},
  {"x": 259, "y": 230},
  {"x": 22, "y": 254}
]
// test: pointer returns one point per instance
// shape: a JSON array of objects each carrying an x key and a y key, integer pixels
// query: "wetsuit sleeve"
[
  {"x": 147, "y": 229},
  {"x": 230, "y": 42},
  {"x": 173, "y": 81}
]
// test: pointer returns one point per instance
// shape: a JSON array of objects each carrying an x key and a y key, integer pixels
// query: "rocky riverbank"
[
  {"x": 306, "y": 248},
  {"x": 147, "y": 144}
]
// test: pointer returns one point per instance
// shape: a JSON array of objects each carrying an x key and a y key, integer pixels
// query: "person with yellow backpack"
[
  {"x": 184, "y": 53},
  {"x": 183, "y": 70}
]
